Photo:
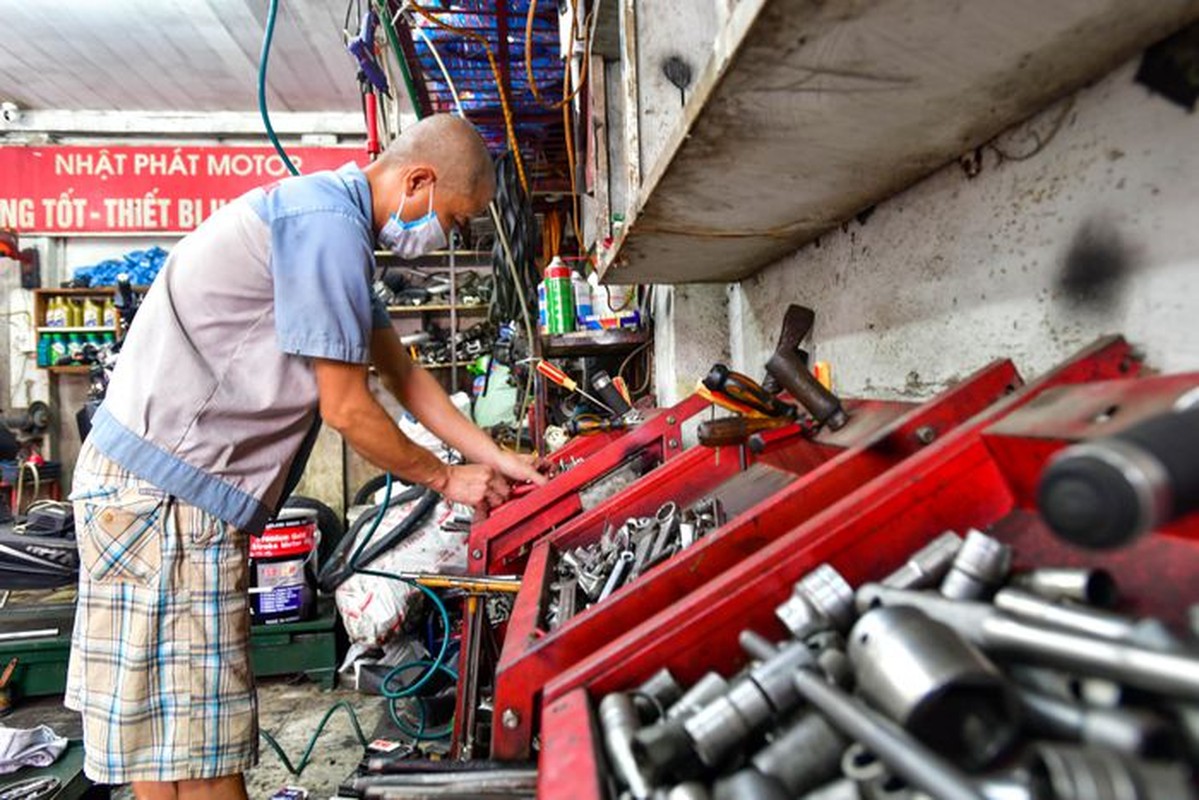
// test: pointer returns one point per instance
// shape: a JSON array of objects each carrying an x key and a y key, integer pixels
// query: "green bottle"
[{"x": 58, "y": 349}]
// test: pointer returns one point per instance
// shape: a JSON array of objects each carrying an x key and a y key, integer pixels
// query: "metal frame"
[
  {"x": 981, "y": 475},
  {"x": 880, "y": 436}
]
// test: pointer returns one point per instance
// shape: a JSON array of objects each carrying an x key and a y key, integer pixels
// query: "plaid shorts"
[{"x": 160, "y": 655}]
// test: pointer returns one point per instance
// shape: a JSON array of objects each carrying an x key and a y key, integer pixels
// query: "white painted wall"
[{"x": 957, "y": 270}]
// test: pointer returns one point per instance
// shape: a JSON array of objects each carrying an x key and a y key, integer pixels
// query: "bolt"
[
  {"x": 925, "y": 434},
  {"x": 510, "y": 719},
  {"x": 476, "y": 553},
  {"x": 672, "y": 443},
  {"x": 670, "y": 420}
]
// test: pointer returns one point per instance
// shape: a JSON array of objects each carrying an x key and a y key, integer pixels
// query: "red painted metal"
[
  {"x": 879, "y": 436},
  {"x": 500, "y": 544},
  {"x": 568, "y": 732},
  {"x": 976, "y": 476}
]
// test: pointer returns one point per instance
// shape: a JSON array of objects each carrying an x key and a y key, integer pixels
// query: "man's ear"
[{"x": 419, "y": 178}]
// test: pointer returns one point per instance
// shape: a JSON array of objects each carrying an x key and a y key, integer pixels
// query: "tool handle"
[
  {"x": 1107, "y": 492},
  {"x": 555, "y": 375},
  {"x": 736, "y": 430},
  {"x": 745, "y": 390},
  {"x": 791, "y": 371},
  {"x": 605, "y": 387}
]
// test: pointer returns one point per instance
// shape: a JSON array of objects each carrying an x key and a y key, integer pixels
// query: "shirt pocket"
[{"x": 120, "y": 540}]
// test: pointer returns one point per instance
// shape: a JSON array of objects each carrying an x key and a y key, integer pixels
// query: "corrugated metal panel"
[{"x": 199, "y": 55}]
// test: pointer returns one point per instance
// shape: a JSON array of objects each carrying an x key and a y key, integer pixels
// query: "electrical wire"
[
  {"x": 431, "y": 667},
  {"x": 588, "y": 23},
  {"x": 493, "y": 209},
  {"x": 441, "y": 65},
  {"x": 267, "y": 36}
]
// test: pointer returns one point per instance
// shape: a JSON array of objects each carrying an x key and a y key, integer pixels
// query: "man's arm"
[
  {"x": 421, "y": 394},
  {"x": 347, "y": 405}
]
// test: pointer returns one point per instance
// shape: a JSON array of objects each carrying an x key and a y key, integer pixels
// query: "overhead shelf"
[
  {"x": 809, "y": 113},
  {"x": 438, "y": 308},
  {"x": 593, "y": 343}
]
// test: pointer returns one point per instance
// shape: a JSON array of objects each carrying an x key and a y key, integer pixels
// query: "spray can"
[{"x": 559, "y": 298}]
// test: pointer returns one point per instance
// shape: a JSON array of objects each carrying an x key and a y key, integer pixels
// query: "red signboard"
[{"x": 155, "y": 189}]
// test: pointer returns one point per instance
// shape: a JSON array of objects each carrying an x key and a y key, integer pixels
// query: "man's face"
[{"x": 453, "y": 208}]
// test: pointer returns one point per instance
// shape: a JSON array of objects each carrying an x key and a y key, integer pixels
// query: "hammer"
[{"x": 789, "y": 367}]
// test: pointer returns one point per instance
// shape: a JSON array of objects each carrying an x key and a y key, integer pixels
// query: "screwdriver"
[
  {"x": 737, "y": 430},
  {"x": 556, "y": 376}
]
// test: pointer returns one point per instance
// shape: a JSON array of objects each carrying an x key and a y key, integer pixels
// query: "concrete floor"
[{"x": 290, "y": 711}]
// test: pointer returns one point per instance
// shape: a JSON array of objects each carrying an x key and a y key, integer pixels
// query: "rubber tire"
[{"x": 364, "y": 495}]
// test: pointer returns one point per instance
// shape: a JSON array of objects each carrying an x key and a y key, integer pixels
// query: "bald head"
[{"x": 452, "y": 148}]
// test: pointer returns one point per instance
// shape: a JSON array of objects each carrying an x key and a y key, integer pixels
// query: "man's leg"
[
  {"x": 229, "y": 787},
  {"x": 155, "y": 790}
]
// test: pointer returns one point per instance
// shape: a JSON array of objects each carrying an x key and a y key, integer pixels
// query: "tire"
[{"x": 364, "y": 495}]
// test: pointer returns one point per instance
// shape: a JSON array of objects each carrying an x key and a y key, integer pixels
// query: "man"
[{"x": 262, "y": 316}]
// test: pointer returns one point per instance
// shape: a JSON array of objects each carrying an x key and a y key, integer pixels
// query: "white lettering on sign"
[
  {"x": 101, "y": 164},
  {"x": 133, "y": 213},
  {"x": 19, "y": 213},
  {"x": 242, "y": 165},
  {"x": 65, "y": 211}
]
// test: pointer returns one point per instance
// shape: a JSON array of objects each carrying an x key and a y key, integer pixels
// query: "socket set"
[
  {"x": 587, "y": 575},
  {"x": 951, "y": 677},
  {"x": 764, "y": 490},
  {"x": 982, "y": 475}
]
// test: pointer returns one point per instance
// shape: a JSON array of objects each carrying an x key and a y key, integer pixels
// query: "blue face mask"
[{"x": 416, "y": 238}]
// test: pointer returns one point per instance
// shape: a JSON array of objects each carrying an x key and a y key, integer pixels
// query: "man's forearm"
[
  {"x": 422, "y": 396},
  {"x": 373, "y": 435}
]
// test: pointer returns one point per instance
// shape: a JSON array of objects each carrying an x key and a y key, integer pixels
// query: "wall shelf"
[
  {"x": 809, "y": 113},
  {"x": 433, "y": 308},
  {"x": 589, "y": 343}
]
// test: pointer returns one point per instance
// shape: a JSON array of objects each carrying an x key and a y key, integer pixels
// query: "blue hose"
[{"x": 267, "y": 36}]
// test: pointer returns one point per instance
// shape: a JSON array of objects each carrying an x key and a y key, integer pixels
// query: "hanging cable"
[
  {"x": 441, "y": 65},
  {"x": 267, "y": 35},
  {"x": 499, "y": 84},
  {"x": 588, "y": 24}
]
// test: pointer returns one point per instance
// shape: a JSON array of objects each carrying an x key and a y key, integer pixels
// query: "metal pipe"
[
  {"x": 1095, "y": 587},
  {"x": 1126, "y": 730},
  {"x": 928, "y": 565},
  {"x": 1160, "y": 672},
  {"x": 1033, "y": 608},
  {"x": 618, "y": 720}
]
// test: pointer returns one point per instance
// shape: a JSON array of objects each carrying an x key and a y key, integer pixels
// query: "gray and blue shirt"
[{"x": 214, "y": 394}]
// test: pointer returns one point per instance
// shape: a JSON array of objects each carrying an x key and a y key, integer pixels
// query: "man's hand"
[
  {"x": 474, "y": 485},
  {"x": 521, "y": 468}
]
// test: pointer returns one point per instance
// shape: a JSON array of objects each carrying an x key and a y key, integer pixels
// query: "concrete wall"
[{"x": 1080, "y": 222}]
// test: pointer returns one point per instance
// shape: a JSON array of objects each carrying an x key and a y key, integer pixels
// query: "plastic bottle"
[
  {"x": 74, "y": 313},
  {"x": 559, "y": 298},
  {"x": 110, "y": 314},
  {"x": 610, "y": 300},
  {"x": 582, "y": 299},
  {"x": 58, "y": 348},
  {"x": 75, "y": 346},
  {"x": 55, "y": 314},
  {"x": 43, "y": 350},
  {"x": 93, "y": 313}
]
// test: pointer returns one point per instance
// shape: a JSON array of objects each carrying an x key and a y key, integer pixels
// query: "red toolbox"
[
  {"x": 500, "y": 543},
  {"x": 816, "y": 473},
  {"x": 982, "y": 475}
]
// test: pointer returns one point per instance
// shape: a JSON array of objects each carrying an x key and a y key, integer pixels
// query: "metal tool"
[
  {"x": 1077, "y": 773},
  {"x": 822, "y": 600},
  {"x": 926, "y": 677},
  {"x": 928, "y": 565},
  {"x": 1095, "y": 587},
  {"x": 745, "y": 392},
  {"x": 805, "y": 755},
  {"x": 659, "y": 746},
  {"x": 1126, "y": 730},
  {"x": 1107, "y": 492},
  {"x": 555, "y": 375},
  {"x": 618, "y": 719},
  {"x": 787, "y": 366},
  {"x": 31, "y": 789},
  {"x": 659, "y": 692},
  {"x": 994, "y": 631},
  {"x": 980, "y": 567},
  {"x": 902, "y": 753}
]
